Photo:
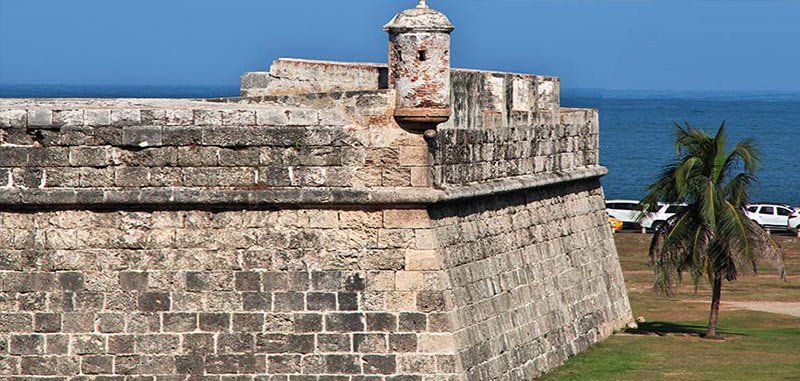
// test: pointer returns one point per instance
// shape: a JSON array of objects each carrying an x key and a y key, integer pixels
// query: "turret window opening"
[{"x": 422, "y": 54}]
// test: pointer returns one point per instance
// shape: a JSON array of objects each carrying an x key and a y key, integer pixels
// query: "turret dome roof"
[{"x": 419, "y": 19}]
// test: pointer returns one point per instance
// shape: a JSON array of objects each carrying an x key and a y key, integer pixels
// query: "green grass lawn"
[{"x": 757, "y": 345}]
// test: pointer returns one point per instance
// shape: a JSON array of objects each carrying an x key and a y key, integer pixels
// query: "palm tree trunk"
[{"x": 716, "y": 294}]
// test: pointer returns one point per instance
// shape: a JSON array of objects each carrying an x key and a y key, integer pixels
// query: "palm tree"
[{"x": 712, "y": 237}]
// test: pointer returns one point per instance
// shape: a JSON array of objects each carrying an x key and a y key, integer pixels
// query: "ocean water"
[
  {"x": 637, "y": 135},
  {"x": 636, "y": 128}
]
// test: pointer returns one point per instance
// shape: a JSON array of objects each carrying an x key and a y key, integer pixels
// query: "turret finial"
[{"x": 423, "y": 4}]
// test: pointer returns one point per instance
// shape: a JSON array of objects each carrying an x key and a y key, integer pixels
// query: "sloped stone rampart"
[{"x": 535, "y": 278}]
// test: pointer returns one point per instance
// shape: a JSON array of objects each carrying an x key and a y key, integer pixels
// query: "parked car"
[
  {"x": 625, "y": 210},
  {"x": 794, "y": 220},
  {"x": 616, "y": 223},
  {"x": 655, "y": 220},
  {"x": 771, "y": 216}
]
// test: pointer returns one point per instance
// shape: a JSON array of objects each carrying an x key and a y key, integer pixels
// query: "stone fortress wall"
[{"x": 300, "y": 233}]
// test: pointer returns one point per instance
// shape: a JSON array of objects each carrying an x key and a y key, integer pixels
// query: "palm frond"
[{"x": 712, "y": 237}]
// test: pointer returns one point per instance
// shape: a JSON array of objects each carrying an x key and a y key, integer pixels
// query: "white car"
[
  {"x": 771, "y": 216},
  {"x": 657, "y": 219},
  {"x": 794, "y": 220},
  {"x": 626, "y": 211}
]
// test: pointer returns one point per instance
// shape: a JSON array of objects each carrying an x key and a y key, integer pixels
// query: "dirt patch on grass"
[{"x": 785, "y": 308}]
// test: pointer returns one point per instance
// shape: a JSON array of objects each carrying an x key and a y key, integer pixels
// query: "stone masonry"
[{"x": 301, "y": 233}]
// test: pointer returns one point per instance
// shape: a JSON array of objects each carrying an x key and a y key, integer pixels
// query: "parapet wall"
[
  {"x": 474, "y": 155},
  {"x": 164, "y": 151},
  {"x": 480, "y": 98},
  {"x": 301, "y": 234}
]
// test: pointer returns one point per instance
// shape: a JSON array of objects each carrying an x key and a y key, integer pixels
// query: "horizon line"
[{"x": 570, "y": 88}]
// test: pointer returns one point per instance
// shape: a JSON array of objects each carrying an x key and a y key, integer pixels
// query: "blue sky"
[{"x": 635, "y": 44}]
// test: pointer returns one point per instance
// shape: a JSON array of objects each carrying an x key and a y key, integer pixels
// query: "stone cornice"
[
  {"x": 199, "y": 197},
  {"x": 519, "y": 183}
]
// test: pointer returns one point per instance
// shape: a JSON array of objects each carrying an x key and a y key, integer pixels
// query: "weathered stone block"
[
  {"x": 218, "y": 177},
  {"x": 416, "y": 363},
  {"x": 97, "y": 364},
  {"x": 47, "y": 322},
  {"x": 431, "y": 301},
  {"x": 406, "y": 218},
  {"x": 157, "y": 343},
  {"x": 420, "y": 260},
  {"x": 35, "y": 301},
  {"x": 232, "y": 364},
  {"x": 132, "y": 177},
  {"x": 403, "y": 342},
  {"x": 246, "y": 157},
  {"x": 235, "y": 342},
  {"x": 379, "y": 364},
  {"x": 209, "y": 281},
  {"x": 310, "y": 322},
  {"x": 412, "y": 322},
  {"x": 257, "y": 301},
  {"x": 97, "y": 117},
  {"x": 26, "y": 345},
  {"x": 334, "y": 342},
  {"x": 344, "y": 322},
  {"x": 143, "y": 323},
  {"x": 439, "y": 322},
  {"x": 342, "y": 364},
  {"x": 50, "y": 366},
  {"x": 9, "y": 365},
  {"x": 247, "y": 281},
  {"x": 437, "y": 343},
  {"x": 13, "y": 118},
  {"x": 179, "y": 117},
  {"x": 272, "y": 117},
  {"x": 57, "y": 344},
  {"x": 214, "y": 322},
  {"x": 247, "y": 322},
  {"x": 118, "y": 344},
  {"x": 321, "y": 301},
  {"x": 288, "y": 301},
  {"x": 133, "y": 280},
  {"x": 74, "y": 322},
  {"x": 381, "y": 322},
  {"x": 154, "y": 301},
  {"x": 127, "y": 364},
  {"x": 409, "y": 281},
  {"x": 182, "y": 135},
  {"x": 153, "y": 117},
  {"x": 189, "y": 364},
  {"x": 369, "y": 343},
  {"x": 87, "y": 344},
  {"x": 326, "y": 280},
  {"x": 125, "y": 117},
  {"x": 68, "y": 117},
  {"x": 142, "y": 136},
  {"x": 156, "y": 364},
  {"x": 40, "y": 118},
  {"x": 348, "y": 301},
  {"x": 238, "y": 118},
  {"x": 283, "y": 364},
  {"x": 179, "y": 322},
  {"x": 199, "y": 343}
]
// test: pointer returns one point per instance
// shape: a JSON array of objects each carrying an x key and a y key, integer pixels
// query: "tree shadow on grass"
[{"x": 662, "y": 328}]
